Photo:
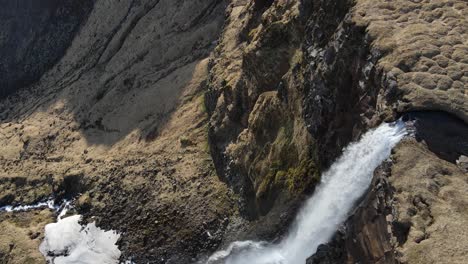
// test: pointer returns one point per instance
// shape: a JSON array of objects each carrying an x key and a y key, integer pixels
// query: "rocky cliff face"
[
  {"x": 278, "y": 112},
  {"x": 322, "y": 40},
  {"x": 188, "y": 124},
  {"x": 255, "y": 139},
  {"x": 355, "y": 64}
]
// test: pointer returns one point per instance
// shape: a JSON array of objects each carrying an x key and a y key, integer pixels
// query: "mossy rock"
[{"x": 291, "y": 183}]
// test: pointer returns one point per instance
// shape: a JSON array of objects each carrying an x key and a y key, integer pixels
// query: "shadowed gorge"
[{"x": 34, "y": 36}]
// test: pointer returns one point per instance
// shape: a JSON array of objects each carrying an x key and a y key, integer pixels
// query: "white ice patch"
[
  {"x": 341, "y": 186},
  {"x": 68, "y": 242}
]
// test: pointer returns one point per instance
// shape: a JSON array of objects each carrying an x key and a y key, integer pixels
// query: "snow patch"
[{"x": 68, "y": 242}]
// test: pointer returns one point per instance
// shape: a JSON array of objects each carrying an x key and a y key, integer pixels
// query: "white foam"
[
  {"x": 64, "y": 209},
  {"x": 68, "y": 242},
  {"x": 341, "y": 186}
]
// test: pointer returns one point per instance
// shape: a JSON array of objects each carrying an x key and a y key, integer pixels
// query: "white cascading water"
[{"x": 340, "y": 188}]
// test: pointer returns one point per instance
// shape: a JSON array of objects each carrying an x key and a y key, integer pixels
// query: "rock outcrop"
[
  {"x": 273, "y": 97},
  {"x": 259, "y": 146}
]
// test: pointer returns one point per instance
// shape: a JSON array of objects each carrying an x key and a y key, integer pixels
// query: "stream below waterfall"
[
  {"x": 319, "y": 218},
  {"x": 49, "y": 203}
]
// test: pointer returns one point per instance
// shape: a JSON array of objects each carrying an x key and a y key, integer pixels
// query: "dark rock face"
[
  {"x": 331, "y": 253},
  {"x": 334, "y": 107},
  {"x": 364, "y": 238},
  {"x": 444, "y": 134},
  {"x": 255, "y": 144},
  {"x": 34, "y": 35},
  {"x": 261, "y": 4}
]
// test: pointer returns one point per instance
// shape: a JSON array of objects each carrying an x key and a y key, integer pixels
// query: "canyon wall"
[{"x": 354, "y": 65}]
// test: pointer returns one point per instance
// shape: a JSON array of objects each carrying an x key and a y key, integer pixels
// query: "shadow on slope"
[
  {"x": 123, "y": 72},
  {"x": 34, "y": 35}
]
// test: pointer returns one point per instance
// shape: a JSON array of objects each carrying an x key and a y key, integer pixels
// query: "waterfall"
[{"x": 341, "y": 186}]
